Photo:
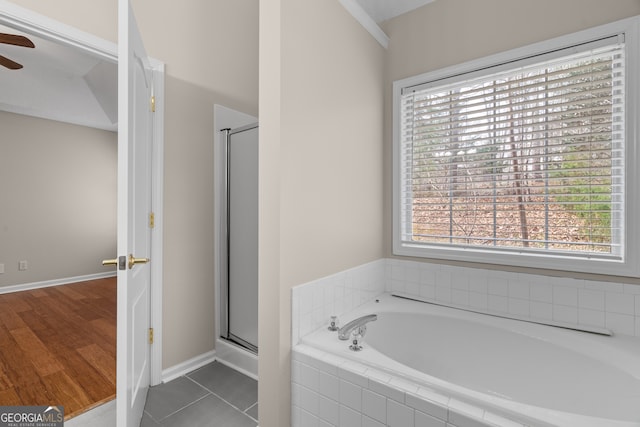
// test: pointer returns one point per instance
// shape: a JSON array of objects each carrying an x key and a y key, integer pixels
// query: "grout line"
[
  {"x": 178, "y": 410},
  {"x": 152, "y": 417},
  {"x": 247, "y": 410},
  {"x": 224, "y": 400}
]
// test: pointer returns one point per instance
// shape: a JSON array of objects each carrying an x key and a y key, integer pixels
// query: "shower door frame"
[
  {"x": 225, "y": 283},
  {"x": 225, "y": 351}
]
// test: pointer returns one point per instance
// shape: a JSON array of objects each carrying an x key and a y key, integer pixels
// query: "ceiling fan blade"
[
  {"x": 16, "y": 40},
  {"x": 12, "y": 65}
]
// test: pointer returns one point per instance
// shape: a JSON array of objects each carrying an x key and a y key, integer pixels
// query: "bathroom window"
[{"x": 526, "y": 158}]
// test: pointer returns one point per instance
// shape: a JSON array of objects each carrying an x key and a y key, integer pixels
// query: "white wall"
[
  {"x": 321, "y": 115},
  {"x": 58, "y": 209}
]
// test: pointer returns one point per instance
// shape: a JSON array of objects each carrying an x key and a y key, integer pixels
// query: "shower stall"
[{"x": 239, "y": 250}]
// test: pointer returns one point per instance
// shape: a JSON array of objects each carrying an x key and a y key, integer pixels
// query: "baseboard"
[
  {"x": 237, "y": 358},
  {"x": 55, "y": 282},
  {"x": 187, "y": 366}
]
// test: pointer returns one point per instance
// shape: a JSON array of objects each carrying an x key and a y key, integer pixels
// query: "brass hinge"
[
  {"x": 152, "y": 220},
  {"x": 153, "y": 104},
  {"x": 150, "y": 335}
]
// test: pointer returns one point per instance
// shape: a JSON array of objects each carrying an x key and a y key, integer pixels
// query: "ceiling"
[
  {"x": 59, "y": 82},
  {"x": 63, "y": 83},
  {"x": 381, "y": 10}
]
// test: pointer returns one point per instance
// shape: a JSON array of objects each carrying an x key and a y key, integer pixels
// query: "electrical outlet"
[
  {"x": 23, "y": 265},
  {"x": 1, "y": 268}
]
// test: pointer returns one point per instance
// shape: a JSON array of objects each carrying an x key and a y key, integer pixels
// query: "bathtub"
[{"x": 520, "y": 372}]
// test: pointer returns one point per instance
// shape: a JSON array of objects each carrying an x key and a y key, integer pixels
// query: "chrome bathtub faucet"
[{"x": 345, "y": 332}]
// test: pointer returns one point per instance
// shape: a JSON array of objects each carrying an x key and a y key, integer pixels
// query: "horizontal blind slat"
[{"x": 544, "y": 138}]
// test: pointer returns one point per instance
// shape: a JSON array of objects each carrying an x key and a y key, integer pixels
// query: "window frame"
[{"x": 628, "y": 264}]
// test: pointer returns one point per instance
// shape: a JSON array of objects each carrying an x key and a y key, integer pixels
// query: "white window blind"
[{"x": 528, "y": 158}]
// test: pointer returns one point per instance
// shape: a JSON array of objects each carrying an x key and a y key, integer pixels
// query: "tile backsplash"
[
  {"x": 315, "y": 302},
  {"x": 615, "y": 306}
]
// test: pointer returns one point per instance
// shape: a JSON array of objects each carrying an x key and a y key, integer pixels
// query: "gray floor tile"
[
  {"x": 147, "y": 421},
  {"x": 253, "y": 411},
  {"x": 165, "y": 399},
  {"x": 232, "y": 386},
  {"x": 209, "y": 412},
  {"x": 101, "y": 416}
]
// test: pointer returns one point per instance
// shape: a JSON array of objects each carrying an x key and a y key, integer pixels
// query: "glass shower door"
[{"x": 242, "y": 236}]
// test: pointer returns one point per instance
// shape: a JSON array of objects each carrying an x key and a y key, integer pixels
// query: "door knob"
[
  {"x": 120, "y": 262},
  {"x": 133, "y": 261}
]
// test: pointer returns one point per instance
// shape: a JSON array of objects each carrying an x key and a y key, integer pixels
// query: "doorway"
[
  {"x": 29, "y": 22},
  {"x": 57, "y": 321},
  {"x": 59, "y": 169}
]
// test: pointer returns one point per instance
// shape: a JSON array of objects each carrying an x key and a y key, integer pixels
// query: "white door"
[{"x": 135, "y": 138}]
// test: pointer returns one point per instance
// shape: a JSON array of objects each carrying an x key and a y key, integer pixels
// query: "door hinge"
[
  {"x": 150, "y": 335},
  {"x": 153, "y": 104},
  {"x": 152, "y": 220}
]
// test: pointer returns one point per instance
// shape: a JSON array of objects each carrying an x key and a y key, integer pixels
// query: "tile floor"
[{"x": 212, "y": 396}]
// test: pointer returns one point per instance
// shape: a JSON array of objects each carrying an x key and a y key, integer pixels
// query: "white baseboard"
[
  {"x": 55, "y": 282},
  {"x": 187, "y": 366},
  {"x": 226, "y": 353},
  {"x": 237, "y": 358}
]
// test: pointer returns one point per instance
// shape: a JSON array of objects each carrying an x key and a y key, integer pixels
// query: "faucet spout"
[{"x": 345, "y": 332}]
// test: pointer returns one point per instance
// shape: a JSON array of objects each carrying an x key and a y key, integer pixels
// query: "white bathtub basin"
[{"x": 519, "y": 369}]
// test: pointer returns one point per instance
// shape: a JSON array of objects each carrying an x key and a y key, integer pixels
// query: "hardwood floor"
[{"x": 58, "y": 346}]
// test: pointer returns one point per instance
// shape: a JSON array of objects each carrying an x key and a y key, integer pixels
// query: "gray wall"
[{"x": 58, "y": 207}]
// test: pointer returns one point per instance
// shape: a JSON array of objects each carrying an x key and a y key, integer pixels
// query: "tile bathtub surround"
[
  {"x": 331, "y": 391},
  {"x": 615, "y": 306},
  {"x": 315, "y": 302}
]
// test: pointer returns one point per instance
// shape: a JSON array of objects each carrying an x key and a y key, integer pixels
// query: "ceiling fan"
[{"x": 15, "y": 40}]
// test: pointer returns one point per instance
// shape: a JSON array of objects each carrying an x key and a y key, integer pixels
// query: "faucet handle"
[
  {"x": 333, "y": 326},
  {"x": 357, "y": 334}
]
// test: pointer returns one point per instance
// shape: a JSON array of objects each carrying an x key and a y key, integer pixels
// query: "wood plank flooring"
[{"x": 58, "y": 346}]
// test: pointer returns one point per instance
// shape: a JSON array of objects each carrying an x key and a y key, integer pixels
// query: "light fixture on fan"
[{"x": 15, "y": 40}]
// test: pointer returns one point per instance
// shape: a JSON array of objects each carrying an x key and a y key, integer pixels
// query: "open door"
[{"x": 135, "y": 142}]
